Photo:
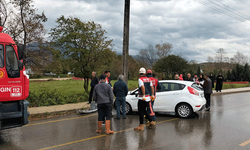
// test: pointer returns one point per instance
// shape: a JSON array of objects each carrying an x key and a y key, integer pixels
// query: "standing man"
[
  {"x": 219, "y": 82},
  {"x": 207, "y": 86},
  {"x": 103, "y": 95},
  {"x": 157, "y": 87},
  {"x": 120, "y": 91},
  {"x": 94, "y": 82},
  {"x": 212, "y": 79},
  {"x": 145, "y": 95},
  {"x": 107, "y": 73},
  {"x": 189, "y": 78}
]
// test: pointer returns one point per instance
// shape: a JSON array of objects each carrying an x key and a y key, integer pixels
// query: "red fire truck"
[{"x": 14, "y": 84}]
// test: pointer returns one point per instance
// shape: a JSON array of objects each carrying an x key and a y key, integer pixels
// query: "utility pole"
[{"x": 125, "y": 54}]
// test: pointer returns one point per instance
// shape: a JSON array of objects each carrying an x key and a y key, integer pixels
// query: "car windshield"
[{"x": 197, "y": 87}]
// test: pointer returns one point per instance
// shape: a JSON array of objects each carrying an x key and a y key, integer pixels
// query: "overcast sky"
[{"x": 195, "y": 30}]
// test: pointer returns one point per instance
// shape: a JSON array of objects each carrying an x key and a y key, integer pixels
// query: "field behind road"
[
  {"x": 75, "y": 87},
  {"x": 47, "y": 93},
  {"x": 69, "y": 87}
]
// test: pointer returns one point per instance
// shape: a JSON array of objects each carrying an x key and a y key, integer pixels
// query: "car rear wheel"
[
  {"x": 183, "y": 110},
  {"x": 127, "y": 109}
]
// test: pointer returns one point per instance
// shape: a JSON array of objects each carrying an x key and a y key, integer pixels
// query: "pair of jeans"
[
  {"x": 118, "y": 102},
  {"x": 208, "y": 97},
  {"x": 150, "y": 110},
  {"x": 142, "y": 108},
  {"x": 104, "y": 110}
]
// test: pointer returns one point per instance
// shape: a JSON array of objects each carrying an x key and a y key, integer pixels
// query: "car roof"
[{"x": 177, "y": 81}]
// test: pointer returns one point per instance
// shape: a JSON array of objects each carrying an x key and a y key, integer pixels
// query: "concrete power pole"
[{"x": 125, "y": 55}]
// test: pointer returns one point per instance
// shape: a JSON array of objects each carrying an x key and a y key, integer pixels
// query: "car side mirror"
[
  {"x": 20, "y": 51},
  {"x": 20, "y": 65},
  {"x": 136, "y": 94}
]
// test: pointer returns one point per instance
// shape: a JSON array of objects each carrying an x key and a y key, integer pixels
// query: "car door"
[
  {"x": 132, "y": 99},
  {"x": 168, "y": 96}
]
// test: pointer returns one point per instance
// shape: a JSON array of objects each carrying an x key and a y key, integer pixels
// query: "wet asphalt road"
[{"x": 225, "y": 127}]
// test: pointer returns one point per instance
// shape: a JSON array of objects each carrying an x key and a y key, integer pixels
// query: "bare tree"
[
  {"x": 147, "y": 57},
  {"x": 163, "y": 50},
  {"x": 4, "y": 11},
  {"x": 240, "y": 58},
  {"x": 220, "y": 57},
  {"x": 232, "y": 61},
  {"x": 210, "y": 59}
]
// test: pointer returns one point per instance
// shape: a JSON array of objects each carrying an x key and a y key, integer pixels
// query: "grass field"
[
  {"x": 230, "y": 86},
  {"x": 69, "y": 87},
  {"x": 75, "y": 87}
]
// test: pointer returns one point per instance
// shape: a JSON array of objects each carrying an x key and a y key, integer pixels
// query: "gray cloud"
[{"x": 195, "y": 30}]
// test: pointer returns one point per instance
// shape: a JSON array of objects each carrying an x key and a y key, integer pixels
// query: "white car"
[{"x": 181, "y": 97}]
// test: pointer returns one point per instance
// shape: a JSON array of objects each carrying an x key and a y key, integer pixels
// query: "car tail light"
[{"x": 193, "y": 91}]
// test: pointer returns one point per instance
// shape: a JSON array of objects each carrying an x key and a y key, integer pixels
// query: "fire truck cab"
[{"x": 14, "y": 84}]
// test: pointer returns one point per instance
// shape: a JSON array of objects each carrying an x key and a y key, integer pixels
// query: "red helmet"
[{"x": 149, "y": 71}]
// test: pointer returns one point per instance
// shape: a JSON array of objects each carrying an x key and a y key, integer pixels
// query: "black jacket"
[
  {"x": 120, "y": 89},
  {"x": 94, "y": 82},
  {"x": 207, "y": 86}
]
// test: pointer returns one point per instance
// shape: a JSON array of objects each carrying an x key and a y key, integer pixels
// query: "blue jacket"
[{"x": 120, "y": 89}]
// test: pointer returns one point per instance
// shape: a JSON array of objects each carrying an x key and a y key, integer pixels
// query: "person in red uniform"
[
  {"x": 157, "y": 87},
  {"x": 145, "y": 95}
]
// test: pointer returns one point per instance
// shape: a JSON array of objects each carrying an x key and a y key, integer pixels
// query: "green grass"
[
  {"x": 75, "y": 87},
  {"x": 69, "y": 87},
  {"x": 65, "y": 87},
  {"x": 230, "y": 86}
]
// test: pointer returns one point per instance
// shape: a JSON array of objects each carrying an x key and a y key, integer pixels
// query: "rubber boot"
[
  {"x": 140, "y": 128},
  {"x": 151, "y": 124},
  {"x": 107, "y": 124},
  {"x": 99, "y": 130}
]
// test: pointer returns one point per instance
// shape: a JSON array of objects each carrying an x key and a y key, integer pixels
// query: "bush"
[{"x": 48, "y": 97}]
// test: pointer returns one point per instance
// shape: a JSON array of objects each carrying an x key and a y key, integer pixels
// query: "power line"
[
  {"x": 244, "y": 3},
  {"x": 235, "y": 16},
  {"x": 227, "y": 7}
]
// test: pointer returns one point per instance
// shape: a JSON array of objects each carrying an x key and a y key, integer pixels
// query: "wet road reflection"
[{"x": 225, "y": 127}]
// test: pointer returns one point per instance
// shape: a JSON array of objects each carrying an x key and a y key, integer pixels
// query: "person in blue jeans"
[{"x": 120, "y": 90}]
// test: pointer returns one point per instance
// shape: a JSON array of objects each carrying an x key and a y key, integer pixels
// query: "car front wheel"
[
  {"x": 127, "y": 109},
  {"x": 184, "y": 110}
]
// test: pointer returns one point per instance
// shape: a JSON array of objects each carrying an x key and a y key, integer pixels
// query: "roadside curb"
[
  {"x": 48, "y": 115},
  {"x": 238, "y": 90},
  {"x": 45, "y": 112}
]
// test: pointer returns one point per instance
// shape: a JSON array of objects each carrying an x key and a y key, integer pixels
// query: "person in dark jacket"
[
  {"x": 219, "y": 82},
  {"x": 189, "y": 78},
  {"x": 212, "y": 79},
  {"x": 207, "y": 86},
  {"x": 103, "y": 96},
  {"x": 120, "y": 91},
  {"x": 94, "y": 82}
]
